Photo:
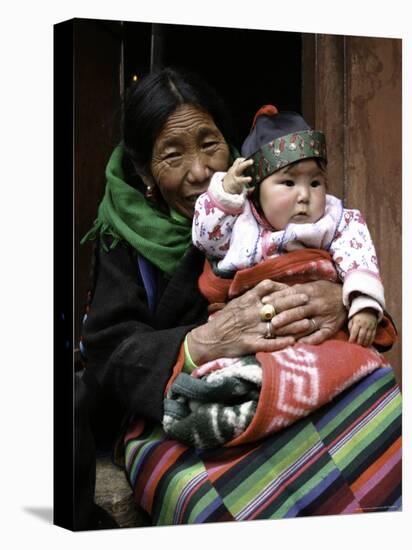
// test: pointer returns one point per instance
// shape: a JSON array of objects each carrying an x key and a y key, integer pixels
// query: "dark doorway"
[{"x": 249, "y": 68}]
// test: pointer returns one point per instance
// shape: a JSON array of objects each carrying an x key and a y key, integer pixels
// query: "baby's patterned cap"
[{"x": 278, "y": 139}]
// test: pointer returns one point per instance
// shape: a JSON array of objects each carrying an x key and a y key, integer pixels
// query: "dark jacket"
[{"x": 132, "y": 339}]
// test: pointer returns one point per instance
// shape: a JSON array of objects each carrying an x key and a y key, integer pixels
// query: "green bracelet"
[{"x": 189, "y": 365}]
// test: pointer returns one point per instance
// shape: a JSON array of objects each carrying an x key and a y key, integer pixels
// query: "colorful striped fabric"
[{"x": 343, "y": 459}]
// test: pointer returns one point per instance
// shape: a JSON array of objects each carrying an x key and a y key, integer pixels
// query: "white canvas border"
[{"x": 27, "y": 223}]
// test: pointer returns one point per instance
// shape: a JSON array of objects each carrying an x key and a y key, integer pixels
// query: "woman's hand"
[
  {"x": 317, "y": 320},
  {"x": 238, "y": 329},
  {"x": 309, "y": 313}
]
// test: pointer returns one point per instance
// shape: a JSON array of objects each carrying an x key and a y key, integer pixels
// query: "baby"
[{"x": 275, "y": 201}]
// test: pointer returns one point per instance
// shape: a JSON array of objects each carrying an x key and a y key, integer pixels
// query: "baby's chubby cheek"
[
  {"x": 281, "y": 203},
  {"x": 277, "y": 211}
]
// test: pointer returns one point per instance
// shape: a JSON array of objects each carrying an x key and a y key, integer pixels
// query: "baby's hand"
[
  {"x": 362, "y": 327},
  {"x": 234, "y": 182}
]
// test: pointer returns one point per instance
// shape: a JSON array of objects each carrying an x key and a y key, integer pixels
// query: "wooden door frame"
[{"x": 352, "y": 90}]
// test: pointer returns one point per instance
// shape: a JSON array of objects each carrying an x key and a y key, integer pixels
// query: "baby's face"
[{"x": 294, "y": 194}]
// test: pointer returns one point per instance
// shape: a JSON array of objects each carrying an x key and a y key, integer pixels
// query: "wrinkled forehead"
[{"x": 188, "y": 122}]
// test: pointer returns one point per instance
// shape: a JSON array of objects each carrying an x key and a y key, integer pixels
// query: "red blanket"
[
  {"x": 299, "y": 379},
  {"x": 301, "y": 266},
  {"x": 302, "y": 378}
]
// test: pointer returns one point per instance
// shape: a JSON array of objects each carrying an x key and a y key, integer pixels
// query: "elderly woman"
[{"x": 146, "y": 320}]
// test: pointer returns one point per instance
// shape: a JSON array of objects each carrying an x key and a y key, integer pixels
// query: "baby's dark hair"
[{"x": 322, "y": 164}]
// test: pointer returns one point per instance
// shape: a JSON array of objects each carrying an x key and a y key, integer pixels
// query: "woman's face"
[{"x": 187, "y": 152}]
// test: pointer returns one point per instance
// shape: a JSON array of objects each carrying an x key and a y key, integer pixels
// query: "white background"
[{"x": 26, "y": 299}]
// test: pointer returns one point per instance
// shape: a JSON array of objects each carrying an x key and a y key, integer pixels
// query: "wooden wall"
[{"x": 352, "y": 90}]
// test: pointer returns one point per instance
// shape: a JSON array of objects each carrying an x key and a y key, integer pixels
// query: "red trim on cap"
[{"x": 268, "y": 110}]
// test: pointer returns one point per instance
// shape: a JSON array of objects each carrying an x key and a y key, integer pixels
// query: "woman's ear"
[
  {"x": 147, "y": 179},
  {"x": 152, "y": 193},
  {"x": 150, "y": 184}
]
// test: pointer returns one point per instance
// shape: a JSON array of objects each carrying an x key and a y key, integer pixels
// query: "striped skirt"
[{"x": 345, "y": 458}]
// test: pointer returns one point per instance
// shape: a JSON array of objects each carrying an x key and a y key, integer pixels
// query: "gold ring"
[
  {"x": 315, "y": 326},
  {"x": 267, "y": 312},
  {"x": 269, "y": 333}
]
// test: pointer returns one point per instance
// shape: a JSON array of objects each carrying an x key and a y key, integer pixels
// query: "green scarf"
[{"x": 124, "y": 213}]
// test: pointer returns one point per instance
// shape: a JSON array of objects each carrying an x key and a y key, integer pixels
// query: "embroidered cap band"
[{"x": 285, "y": 150}]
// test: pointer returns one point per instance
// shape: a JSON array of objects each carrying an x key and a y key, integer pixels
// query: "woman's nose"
[{"x": 199, "y": 172}]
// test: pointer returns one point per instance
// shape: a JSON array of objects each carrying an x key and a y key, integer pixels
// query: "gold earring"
[{"x": 149, "y": 192}]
